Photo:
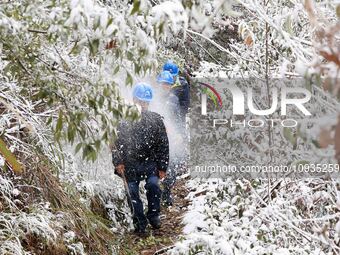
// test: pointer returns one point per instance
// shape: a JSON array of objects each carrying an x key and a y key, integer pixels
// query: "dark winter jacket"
[
  {"x": 142, "y": 146},
  {"x": 182, "y": 91}
]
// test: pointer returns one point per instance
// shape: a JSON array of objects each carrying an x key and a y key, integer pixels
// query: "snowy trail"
[{"x": 167, "y": 235}]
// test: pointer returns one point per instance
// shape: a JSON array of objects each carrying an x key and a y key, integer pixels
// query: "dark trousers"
[
  {"x": 168, "y": 183},
  {"x": 153, "y": 194}
]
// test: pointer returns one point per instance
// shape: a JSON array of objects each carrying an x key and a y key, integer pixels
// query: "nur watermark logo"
[
  {"x": 281, "y": 99},
  {"x": 241, "y": 127}
]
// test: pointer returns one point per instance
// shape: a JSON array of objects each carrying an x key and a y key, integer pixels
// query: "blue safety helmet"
[
  {"x": 143, "y": 92},
  {"x": 171, "y": 67},
  {"x": 165, "y": 77}
]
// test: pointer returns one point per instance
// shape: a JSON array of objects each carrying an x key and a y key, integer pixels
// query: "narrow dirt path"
[{"x": 158, "y": 241}]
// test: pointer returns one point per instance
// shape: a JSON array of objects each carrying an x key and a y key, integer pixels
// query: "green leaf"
[
  {"x": 59, "y": 125},
  {"x": 76, "y": 49},
  {"x": 93, "y": 156},
  {"x": 129, "y": 79},
  {"x": 80, "y": 116},
  {"x": 88, "y": 149},
  {"x": 92, "y": 103},
  {"x": 96, "y": 23},
  {"x": 288, "y": 134},
  {"x": 137, "y": 68},
  {"x": 105, "y": 136},
  {"x": 57, "y": 136},
  {"x": 109, "y": 22},
  {"x": 301, "y": 162},
  {"x": 78, "y": 147},
  {"x": 129, "y": 55},
  {"x": 136, "y": 6},
  {"x": 94, "y": 44},
  {"x": 82, "y": 132},
  {"x": 101, "y": 101},
  {"x": 116, "y": 70},
  {"x": 49, "y": 121},
  {"x": 106, "y": 92},
  {"x": 97, "y": 144},
  {"x": 161, "y": 28},
  {"x": 103, "y": 119},
  {"x": 118, "y": 53},
  {"x": 71, "y": 132}
]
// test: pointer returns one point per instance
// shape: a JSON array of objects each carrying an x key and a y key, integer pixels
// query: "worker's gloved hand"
[
  {"x": 120, "y": 169},
  {"x": 161, "y": 174}
]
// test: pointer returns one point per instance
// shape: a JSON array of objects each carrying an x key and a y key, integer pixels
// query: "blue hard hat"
[
  {"x": 143, "y": 92},
  {"x": 165, "y": 77},
  {"x": 171, "y": 67}
]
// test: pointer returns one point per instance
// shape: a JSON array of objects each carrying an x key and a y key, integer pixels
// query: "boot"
[{"x": 155, "y": 222}]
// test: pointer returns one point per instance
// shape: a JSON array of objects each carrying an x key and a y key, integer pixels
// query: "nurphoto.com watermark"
[
  {"x": 229, "y": 122},
  {"x": 300, "y": 168}
]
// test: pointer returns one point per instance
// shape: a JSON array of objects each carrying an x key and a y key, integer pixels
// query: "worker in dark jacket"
[
  {"x": 175, "y": 123},
  {"x": 177, "y": 98},
  {"x": 171, "y": 100},
  {"x": 180, "y": 88},
  {"x": 141, "y": 152}
]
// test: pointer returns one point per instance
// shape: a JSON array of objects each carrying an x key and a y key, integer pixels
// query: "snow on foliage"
[
  {"x": 16, "y": 225},
  {"x": 234, "y": 217},
  {"x": 64, "y": 64},
  {"x": 284, "y": 216}
]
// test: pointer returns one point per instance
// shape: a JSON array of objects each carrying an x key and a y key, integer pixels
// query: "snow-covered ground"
[{"x": 235, "y": 217}]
